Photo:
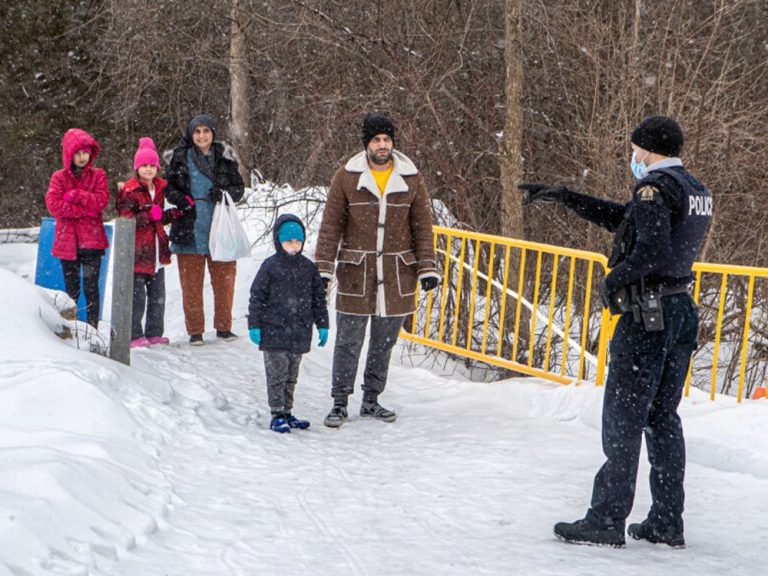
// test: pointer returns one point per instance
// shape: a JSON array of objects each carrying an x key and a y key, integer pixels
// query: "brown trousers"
[{"x": 191, "y": 276}]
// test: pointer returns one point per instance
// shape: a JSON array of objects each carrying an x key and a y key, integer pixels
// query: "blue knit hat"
[{"x": 290, "y": 231}]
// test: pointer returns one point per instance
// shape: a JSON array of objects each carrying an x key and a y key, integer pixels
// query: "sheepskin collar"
[{"x": 401, "y": 166}]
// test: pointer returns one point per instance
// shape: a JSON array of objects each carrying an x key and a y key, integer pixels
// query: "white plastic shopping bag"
[{"x": 228, "y": 240}]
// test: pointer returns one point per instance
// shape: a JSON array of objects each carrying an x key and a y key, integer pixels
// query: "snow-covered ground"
[{"x": 167, "y": 467}]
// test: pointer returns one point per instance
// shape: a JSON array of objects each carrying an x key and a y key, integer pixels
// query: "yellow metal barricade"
[
  {"x": 530, "y": 308},
  {"x": 495, "y": 307},
  {"x": 732, "y": 341}
]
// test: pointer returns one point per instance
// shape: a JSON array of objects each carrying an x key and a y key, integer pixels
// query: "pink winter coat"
[{"x": 78, "y": 222}]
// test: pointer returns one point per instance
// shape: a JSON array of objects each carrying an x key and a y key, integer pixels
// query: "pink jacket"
[{"x": 78, "y": 222}]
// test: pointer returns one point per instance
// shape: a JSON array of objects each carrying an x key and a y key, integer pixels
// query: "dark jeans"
[
  {"x": 90, "y": 260},
  {"x": 282, "y": 369},
  {"x": 350, "y": 334},
  {"x": 149, "y": 297},
  {"x": 645, "y": 384}
]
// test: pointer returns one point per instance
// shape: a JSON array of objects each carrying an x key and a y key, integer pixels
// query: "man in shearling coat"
[{"x": 376, "y": 236}]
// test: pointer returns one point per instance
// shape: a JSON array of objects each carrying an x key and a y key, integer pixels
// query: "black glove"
[
  {"x": 605, "y": 294},
  {"x": 617, "y": 301},
  {"x": 326, "y": 284},
  {"x": 215, "y": 194},
  {"x": 542, "y": 193},
  {"x": 428, "y": 283}
]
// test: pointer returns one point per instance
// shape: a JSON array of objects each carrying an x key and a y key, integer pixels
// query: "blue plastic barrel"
[{"x": 49, "y": 274}]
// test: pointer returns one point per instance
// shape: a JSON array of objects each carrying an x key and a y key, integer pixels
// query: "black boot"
[
  {"x": 656, "y": 535},
  {"x": 584, "y": 532},
  {"x": 337, "y": 416},
  {"x": 370, "y": 408}
]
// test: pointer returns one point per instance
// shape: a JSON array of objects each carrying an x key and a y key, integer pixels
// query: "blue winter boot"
[
  {"x": 279, "y": 424},
  {"x": 294, "y": 422}
]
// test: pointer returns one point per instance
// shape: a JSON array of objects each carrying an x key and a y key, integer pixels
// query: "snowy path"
[{"x": 469, "y": 480}]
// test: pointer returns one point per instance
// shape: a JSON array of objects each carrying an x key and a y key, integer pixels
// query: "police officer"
[{"x": 658, "y": 234}]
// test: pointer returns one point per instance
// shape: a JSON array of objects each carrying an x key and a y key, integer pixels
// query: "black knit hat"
[
  {"x": 377, "y": 123},
  {"x": 201, "y": 120},
  {"x": 659, "y": 134}
]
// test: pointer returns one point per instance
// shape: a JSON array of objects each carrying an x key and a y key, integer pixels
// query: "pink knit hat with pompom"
[{"x": 146, "y": 154}]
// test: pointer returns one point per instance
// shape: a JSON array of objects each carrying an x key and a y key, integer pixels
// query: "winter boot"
[
  {"x": 656, "y": 535},
  {"x": 140, "y": 342},
  {"x": 377, "y": 411},
  {"x": 336, "y": 417},
  {"x": 226, "y": 335},
  {"x": 294, "y": 422},
  {"x": 279, "y": 424},
  {"x": 584, "y": 532}
]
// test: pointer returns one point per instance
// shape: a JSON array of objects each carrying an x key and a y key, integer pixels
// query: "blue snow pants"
[{"x": 646, "y": 376}]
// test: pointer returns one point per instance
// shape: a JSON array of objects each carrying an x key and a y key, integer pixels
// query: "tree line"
[{"x": 485, "y": 94}]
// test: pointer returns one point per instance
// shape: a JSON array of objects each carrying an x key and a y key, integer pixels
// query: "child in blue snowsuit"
[{"x": 287, "y": 297}]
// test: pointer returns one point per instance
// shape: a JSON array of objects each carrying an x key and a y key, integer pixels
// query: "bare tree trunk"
[
  {"x": 511, "y": 144},
  {"x": 239, "y": 102}
]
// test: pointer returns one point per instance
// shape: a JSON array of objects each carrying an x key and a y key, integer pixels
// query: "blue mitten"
[
  {"x": 255, "y": 334},
  {"x": 323, "y": 336}
]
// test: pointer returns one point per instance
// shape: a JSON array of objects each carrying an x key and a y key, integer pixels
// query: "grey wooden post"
[{"x": 123, "y": 247}]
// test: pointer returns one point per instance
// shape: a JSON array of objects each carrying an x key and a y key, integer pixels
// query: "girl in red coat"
[
  {"x": 142, "y": 198},
  {"x": 76, "y": 197}
]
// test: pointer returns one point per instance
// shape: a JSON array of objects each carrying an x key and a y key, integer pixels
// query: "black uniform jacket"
[{"x": 658, "y": 233}]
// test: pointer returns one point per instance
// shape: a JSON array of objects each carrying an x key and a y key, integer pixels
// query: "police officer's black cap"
[
  {"x": 659, "y": 134},
  {"x": 376, "y": 123}
]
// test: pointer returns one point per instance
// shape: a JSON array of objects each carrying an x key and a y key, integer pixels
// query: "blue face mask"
[{"x": 639, "y": 169}]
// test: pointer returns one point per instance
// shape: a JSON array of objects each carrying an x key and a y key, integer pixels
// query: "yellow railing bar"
[
  {"x": 457, "y": 306},
  {"x": 696, "y": 290},
  {"x": 552, "y": 289},
  {"x": 495, "y": 360},
  {"x": 538, "y": 246},
  {"x": 503, "y": 311},
  {"x": 585, "y": 322},
  {"x": 521, "y": 272},
  {"x": 718, "y": 331},
  {"x": 568, "y": 301},
  {"x": 429, "y": 299},
  {"x": 732, "y": 270},
  {"x": 745, "y": 338},
  {"x": 446, "y": 276},
  {"x": 488, "y": 284},
  {"x": 473, "y": 296},
  {"x": 535, "y": 306}
]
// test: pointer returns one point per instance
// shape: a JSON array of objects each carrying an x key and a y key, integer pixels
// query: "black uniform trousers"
[{"x": 645, "y": 383}]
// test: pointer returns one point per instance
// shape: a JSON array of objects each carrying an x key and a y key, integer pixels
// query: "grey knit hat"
[{"x": 202, "y": 120}]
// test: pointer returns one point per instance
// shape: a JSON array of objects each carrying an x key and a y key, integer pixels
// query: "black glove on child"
[
  {"x": 428, "y": 283},
  {"x": 542, "y": 193}
]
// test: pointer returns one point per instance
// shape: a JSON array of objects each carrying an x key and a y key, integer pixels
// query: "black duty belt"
[{"x": 667, "y": 290}]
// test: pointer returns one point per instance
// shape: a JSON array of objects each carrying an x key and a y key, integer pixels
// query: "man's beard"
[{"x": 376, "y": 159}]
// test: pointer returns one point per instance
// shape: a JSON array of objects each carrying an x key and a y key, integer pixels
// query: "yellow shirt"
[{"x": 382, "y": 177}]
